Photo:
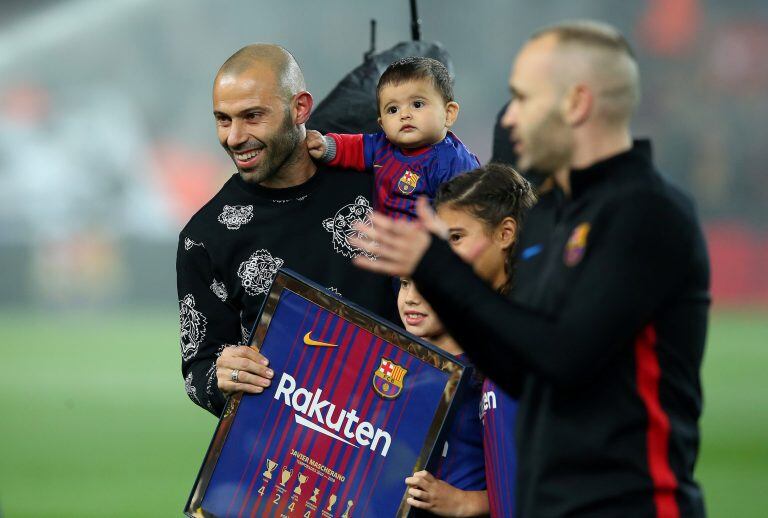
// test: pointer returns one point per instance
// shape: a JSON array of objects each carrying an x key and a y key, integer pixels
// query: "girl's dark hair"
[{"x": 491, "y": 193}]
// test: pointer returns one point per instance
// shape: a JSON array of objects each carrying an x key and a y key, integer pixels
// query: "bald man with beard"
[
  {"x": 602, "y": 336},
  {"x": 277, "y": 210}
]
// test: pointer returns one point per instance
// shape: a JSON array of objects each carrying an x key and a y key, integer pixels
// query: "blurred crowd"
[{"x": 107, "y": 143}]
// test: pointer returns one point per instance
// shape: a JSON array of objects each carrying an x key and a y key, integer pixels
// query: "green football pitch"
[{"x": 95, "y": 422}]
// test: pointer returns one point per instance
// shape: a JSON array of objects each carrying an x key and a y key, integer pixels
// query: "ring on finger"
[{"x": 234, "y": 375}]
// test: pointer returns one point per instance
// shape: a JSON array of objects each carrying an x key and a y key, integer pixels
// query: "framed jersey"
[{"x": 355, "y": 406}]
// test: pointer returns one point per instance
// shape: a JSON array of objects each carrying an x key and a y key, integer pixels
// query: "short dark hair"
[
  {"x": 589, "y": 33},
  {"x": 491, "y": 193},
  {"x": 414, "y": 68},
  {"x": 620, "y": 94}
]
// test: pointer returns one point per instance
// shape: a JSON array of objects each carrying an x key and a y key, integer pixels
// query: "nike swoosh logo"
[
  {"x": 309, "y": 424},
  {"x": 377, "y": 165},
  {"x": 309, "y": 341}
]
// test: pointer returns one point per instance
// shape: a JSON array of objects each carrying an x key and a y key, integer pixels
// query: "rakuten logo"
[
  {"x": 488, "y": 402},
  {"x": 310, "y": 405}
]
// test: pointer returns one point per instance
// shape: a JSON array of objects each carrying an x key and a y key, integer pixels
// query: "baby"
[{"x": 416, "y": 151}]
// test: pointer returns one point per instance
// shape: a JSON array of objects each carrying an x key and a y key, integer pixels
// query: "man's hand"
[
  {"x": 442, "y": 499},
  {"x": 253, "y": 373},
  {"x": 398, "y": 245},
  {"x": 315, "y": 144}
]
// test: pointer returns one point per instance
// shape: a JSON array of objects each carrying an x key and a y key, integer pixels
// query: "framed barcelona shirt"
[{"x": 355, "y": 406}]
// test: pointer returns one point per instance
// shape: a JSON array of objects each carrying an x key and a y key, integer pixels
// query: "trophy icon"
[
  {"x": 271, "y": 466},
  {"x": 313, "y": 498},
  {"x": 285, "y": 475},
  {"x": 346, "y": 514},
  {"x": 302, "y": 479},
  {"x": 331, "y": 503}
]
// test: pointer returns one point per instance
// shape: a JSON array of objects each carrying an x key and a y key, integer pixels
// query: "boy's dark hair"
[
  {"x": 415, "y": 68},
  {"x": 491, "y": 193}
]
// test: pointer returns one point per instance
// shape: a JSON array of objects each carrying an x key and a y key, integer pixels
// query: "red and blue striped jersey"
[
  {"x": 401, "y": 176},
  {"x": 497, "y": 413},
  {"x": 462, "y": 464},
  {"x": 308, "y": 424}
]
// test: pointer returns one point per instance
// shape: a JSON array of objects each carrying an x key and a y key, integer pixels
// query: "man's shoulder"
[
  {"x": 210, "y": 209},
  {"x": 650, "y": 205},
  {"x": 654, "y": 189}
]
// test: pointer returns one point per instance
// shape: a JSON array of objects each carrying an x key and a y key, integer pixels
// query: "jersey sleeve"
[
  {"x": 350, "y": 151},
  {"x": 207, "y": 321},
  {"x": 356, "y": 151},
  {"x": 642, "y": 257}
]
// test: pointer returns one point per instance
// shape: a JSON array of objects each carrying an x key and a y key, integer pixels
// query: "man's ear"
[
  {"x": 451, "y": 113},
  {"x": 577, "y": 105},
  {"x": 506, "y": 233},
  {"x": 301, "y": 105}
]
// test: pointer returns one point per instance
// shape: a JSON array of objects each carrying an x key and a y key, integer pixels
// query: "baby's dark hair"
[
  {"x": 491, "y": 193},
  {"x": 415, "y": 68}
]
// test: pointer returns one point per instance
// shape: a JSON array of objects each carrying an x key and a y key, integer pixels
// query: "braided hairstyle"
[{"x": 491, "y": 193}]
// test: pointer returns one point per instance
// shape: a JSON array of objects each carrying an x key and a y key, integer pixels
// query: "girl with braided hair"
[{"x": 483, "y": 211}]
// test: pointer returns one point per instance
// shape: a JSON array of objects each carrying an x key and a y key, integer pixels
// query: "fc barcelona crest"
[
  {"x": 576, "y": 245},
  {"x": 407, "y": 182},
  {"x": 388, "y": 379}
]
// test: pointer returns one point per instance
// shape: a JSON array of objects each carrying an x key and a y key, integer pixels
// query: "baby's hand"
[{"x": 315, "y": 144}]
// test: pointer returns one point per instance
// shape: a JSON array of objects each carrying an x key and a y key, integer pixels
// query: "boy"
[{"x": 416, "y": 151}]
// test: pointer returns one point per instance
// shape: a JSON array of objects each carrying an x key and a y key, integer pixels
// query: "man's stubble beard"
[
  {"x": 550, "y": 146},
  {"x": 280, "y": 153}
]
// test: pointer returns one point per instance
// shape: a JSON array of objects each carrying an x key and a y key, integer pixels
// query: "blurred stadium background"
[{"x": 107, "y": 146}]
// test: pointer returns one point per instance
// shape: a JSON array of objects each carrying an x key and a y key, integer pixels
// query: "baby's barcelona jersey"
[
  {"x": 462, "y": 464},
  {"x": 401, "y": 176},
  {"x": 497, "y": 413}
]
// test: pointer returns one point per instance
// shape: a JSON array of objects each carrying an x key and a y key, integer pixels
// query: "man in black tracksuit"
[
  {"x": 607, "y": 325},
  {"x": 604, "y": 335}
]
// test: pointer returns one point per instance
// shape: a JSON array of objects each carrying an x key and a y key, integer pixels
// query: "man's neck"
[
  {"x": 591, "y": 148},
  {"x": 597, "y": 145},
  {"x": 562, "y": 178},
  {"x": 297, "y": 169}
]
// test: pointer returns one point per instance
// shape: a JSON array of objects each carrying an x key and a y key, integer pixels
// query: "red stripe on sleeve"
[
  {"x": 350, "y": 151},
  {"x": 657, "y": 433}
]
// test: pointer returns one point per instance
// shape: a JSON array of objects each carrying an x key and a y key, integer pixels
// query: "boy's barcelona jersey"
[
  {"x": 401, "y": 176},
  {"x": 497, "y": 413},
  {"x": 462, "y": 464}
]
